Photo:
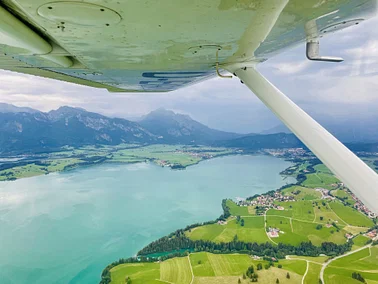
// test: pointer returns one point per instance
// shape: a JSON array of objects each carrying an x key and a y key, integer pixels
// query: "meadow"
[
  {"x": 350, "y": 215},
  {"x": 363, "y": 262},
  {"x": 296, "y": 225},
  {"x": 320, "y": 179},
  {"x": 253, "y": 229},
  {"x": 207, "y": 268},
  {"x": 304, "y": 193}
]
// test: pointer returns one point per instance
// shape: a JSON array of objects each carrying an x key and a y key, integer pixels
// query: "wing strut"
[{"x": 355, "y": 174}]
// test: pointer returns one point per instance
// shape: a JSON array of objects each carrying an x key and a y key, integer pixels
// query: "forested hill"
[
  {"x": 25, "y": 130},
  {"x": 261, "y": 141},
  {"x": 179, "y": 128}
]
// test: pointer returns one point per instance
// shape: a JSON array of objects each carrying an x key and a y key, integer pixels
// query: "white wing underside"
[{"x": 156, "y": 46}]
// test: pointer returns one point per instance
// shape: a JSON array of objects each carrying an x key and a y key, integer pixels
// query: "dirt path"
[
  {"x": 191, "y": 269},
  {"x": 266, "y": 231},
  {"x": 324, "y": 266},
  {"x": 338, "y": 216},
  {"x": 304, "y": 275}
]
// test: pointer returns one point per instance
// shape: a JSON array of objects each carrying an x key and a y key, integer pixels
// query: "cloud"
[{"x": 288, "y": 68}]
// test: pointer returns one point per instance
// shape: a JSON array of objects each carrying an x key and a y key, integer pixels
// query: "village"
[{"x": 266, "y": 201}]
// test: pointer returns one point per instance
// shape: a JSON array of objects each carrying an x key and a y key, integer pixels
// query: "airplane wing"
[{"x": 156, "y": 46}]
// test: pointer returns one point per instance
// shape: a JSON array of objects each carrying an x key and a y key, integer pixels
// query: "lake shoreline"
[
  {"x": 152, "y": 161},
  {"x": 99, "y": 214}
]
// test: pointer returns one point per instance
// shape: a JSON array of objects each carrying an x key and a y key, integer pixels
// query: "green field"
[
  {"x": 228, "y": 268},
  {"x": 236, "y": 210},
  {"x": 69, "y": 157},
  {"x": 299, "y": 231},
  {"x": 140, "y": 273},
  {"x": 219, "y": 264},
  {"x": 172, "y": 154},
  {"x": 327, "y": 213},
  {"x": 302, "y": 193},
  {"x": 207, "y": 268},
  {"x": 366, "y": 259},
  {"x": 33, "y": 169},
  {"x": 252, "y": 231},
  {"x": 320, "y": 179},
  {"x": 201, "y": 264},
  {"x": 296, "y": 266},
  {"x": 365, "y": 262},
  {"x": 302, "y": 210},
  {"x": 343, "y": 194},
  {"x": 293, "y": 230},
  {"x": 229, "y": 264},
  {"x": 360, "y": 241},
  {"x": 317, "y": 259},
  {"x": 350, "y": 215},
  {"x": 288, "y": 237},
  {"x": 176, "y": 270},
  {"x": 334, "y": 275},
  {"x": 317, "y": 237},
  {"x": 322, "y": 168},
  {"x": 313, "y": 273}
]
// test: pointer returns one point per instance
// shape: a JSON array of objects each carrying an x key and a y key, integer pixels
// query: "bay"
[{"x": 66, "y": 227}]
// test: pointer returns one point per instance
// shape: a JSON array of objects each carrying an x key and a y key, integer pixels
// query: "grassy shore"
[{"x": 173, "y": 156}]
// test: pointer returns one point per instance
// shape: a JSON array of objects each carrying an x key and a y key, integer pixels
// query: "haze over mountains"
[
  {"x": 348, "y": 130},
  {"x": 26, "y": 130},
  {"x": 180, "y": 128}
]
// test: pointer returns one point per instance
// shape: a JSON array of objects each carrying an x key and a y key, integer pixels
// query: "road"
[
  {"x": 191, "y": 270},
  {"x": 324, "y": 266},
  {"x": 304, "y": 276}
]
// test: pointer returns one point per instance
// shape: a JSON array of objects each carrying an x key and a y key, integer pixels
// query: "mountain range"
[
  {"x": 25, "y": 130},
  {"x": 363, "y": 129}
]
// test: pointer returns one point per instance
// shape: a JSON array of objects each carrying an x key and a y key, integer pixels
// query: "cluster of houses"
[
  {"x": 362, "y": 208},
  {"x": 372, "y": 235},
  {"x": 266, "y": 201},
  {"x": 358, "y": 205},
  {"x": 325, "y": 193},
  {"x": 274, "y": 232},
  {"x": 202, "y": 155},
  {"x": 164, "y": 163},
  {"x": 293, "y": 152},
  {"x": 349, "y": 236}
]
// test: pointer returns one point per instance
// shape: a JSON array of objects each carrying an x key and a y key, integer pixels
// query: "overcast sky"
[{"x": 329, "y": 91}]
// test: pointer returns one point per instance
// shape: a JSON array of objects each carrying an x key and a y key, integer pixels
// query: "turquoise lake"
[{"x": 66, "y": 227}]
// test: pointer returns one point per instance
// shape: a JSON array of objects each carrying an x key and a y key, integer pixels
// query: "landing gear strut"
[{"x": 356, "y": 175}]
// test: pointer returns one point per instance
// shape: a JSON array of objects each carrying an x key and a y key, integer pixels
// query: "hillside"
[
  {"x": 260, "y": 141},
  {"x": 364, "y": 129},
  {"x": 38, "y": 131},
  {"x": 179, "y": 128},
  {"x": 25, "y": 130}
]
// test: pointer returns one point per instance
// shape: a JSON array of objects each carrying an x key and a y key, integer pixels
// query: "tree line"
[{"x": 180, "y": 242}]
